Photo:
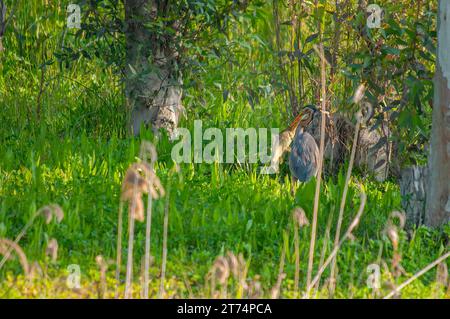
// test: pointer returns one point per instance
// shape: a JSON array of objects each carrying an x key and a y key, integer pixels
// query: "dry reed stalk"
[
  {"x": 36, "y": 270},
  {"x": 441, "y": 281},
  {"x": 155, "y": 185},
  {"x": 300, "y": 220},
  {"x": 360, "y": 119},
  {"x": 148, "y": 228},
  {"x": 188, "y": 287},
  {"x": 52, "y": 249},
  {"x": 358, "y": 97},
  {"x": 417, "y": 275},
  {"x": 220, "y": 272},
  {"x": 255, "y": 290},
  {"x": 48, "y": 212},
  {"x": 392, "y": 232},
  {"x": 275, "y": 293},
  {"x": 297, "y": 259},
  {"x": 129, "y": 273},
  {"x": 130, "y": 192},
  {"x": 148, "y": 155},
  {"x": 103, "y": 267},
  {"x": 165, "y": 237},
  {"x": 139, "y": 179},
  {"x": 347, "y": 234},
  {"x": 7, "y": 246},
  {"x": 119, "y": 246},
  {"x": 324, "y": 247},
  {"x": 320, "y": 162},
  {"x": 442, "y": 274},
  {"x": 239, "y": 269}
]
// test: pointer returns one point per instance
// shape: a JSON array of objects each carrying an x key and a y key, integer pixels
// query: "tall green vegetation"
[{"x": 222, "y": 230}]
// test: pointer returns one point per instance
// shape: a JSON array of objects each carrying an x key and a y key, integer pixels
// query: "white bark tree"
[
  {"x": 438, "y": 194},
  {"x": 153, "y": 81}
]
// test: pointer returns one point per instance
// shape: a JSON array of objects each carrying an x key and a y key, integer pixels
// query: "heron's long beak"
[{"x": 297, "y": 120}]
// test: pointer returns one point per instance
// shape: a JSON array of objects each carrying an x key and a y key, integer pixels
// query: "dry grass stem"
[
  {"x": 7, "y": 246},
  {"x": 347, "y": 234},
  {"x": 300, "y": 220},
  {"x": 417, "y": 275},
  {"x": 48, "y": 212},
  {"x": 344, "y": 195},
  {"x": 52, "y": 249},
  {"x": 319, "y": 166}
]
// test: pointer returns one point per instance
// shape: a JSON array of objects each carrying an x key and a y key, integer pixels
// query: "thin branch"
[
  {"x": 165, "y": 235},
  {"x": 417, "y": 275},
  {"x": 343, "y": 200},
  {"x": 119, "y": 246},
  {"x": 320, "y": 164},
  {"x": 347, "y": 234}
]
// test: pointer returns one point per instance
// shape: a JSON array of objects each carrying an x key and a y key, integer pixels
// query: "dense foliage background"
[{"x": 245, "y": 64}]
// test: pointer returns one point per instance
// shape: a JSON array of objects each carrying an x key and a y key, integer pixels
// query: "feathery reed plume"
[
  {"x": 320, "y": 160},
  {"x": 255, "y": 290},
  {"x": 300, "y": 220},
  {"x": 52, "y": 249},
  {"x": 391, "y": 231},
  {"x": 417, "y": 275},
  {"x": 239, "y": 269},
  {"x": 133, "y": 186},
  {"x": 221, "y": 270},
  {"x": 51, "y": 211},
  {"x": 48, "y": 212},
  {"x": 359, "y": 119},
  {"x": 220, "y": 273},
  {"x": 401, "y": 216},
  {"x": 139, "y": 179},
  {"x": 300, "y": 217},
  {"x": 7, "y": 246},
  {"x": 103, "y": 267},
  {"x": 347, "y": 234}
]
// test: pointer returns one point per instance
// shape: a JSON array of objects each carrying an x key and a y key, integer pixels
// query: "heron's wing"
[{"x": 304, "y": 157}]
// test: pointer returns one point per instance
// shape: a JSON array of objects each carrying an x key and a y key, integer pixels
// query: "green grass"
[
  {"x": 77, "y": 153},
  {"x": 213, "y": 209}
]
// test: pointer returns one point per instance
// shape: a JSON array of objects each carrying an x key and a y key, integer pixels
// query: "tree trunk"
[
  {"x": 153, "y": 81},
  {"x": 413, "y": 192},
  {"x": 438, "y": 196}
]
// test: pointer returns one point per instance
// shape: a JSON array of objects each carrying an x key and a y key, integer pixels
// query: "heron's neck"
[{"x": 299, "y": 130}]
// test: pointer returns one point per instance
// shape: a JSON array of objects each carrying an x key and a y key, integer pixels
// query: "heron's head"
[{"x": 304, "y": 118}]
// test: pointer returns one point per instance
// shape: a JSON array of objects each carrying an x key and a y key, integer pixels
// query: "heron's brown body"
[{"x": 284, "y": 142}]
